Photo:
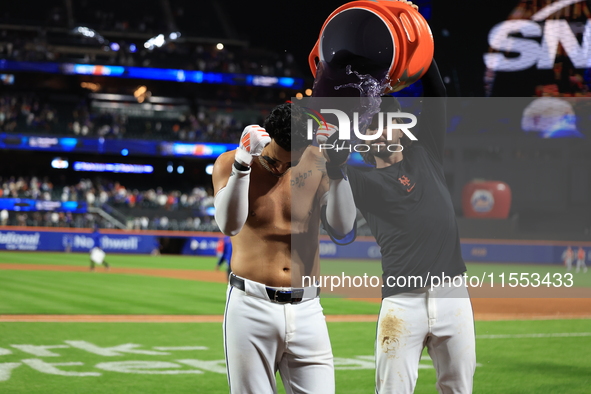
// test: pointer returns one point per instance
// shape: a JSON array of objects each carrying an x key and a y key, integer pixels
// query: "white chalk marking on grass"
[
  {"x": 368, "y": 358},
  {"x": 40, "y": 351},
  {"x": 549, "y": 335},
  {"x": 173, "y": 348},
  {"x": 351, "y": 363},
  {"x": 146, "y": 367},
  {"x": 6, "y": 369},
  {"x": 4, "y": 352},
  {"x": 113, "y": 350},
  {"x": 217, "y": 366},
  {"x": 50, "y": 368}
]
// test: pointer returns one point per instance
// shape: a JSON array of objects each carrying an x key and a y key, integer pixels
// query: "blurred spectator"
[
  {"x": 4, "y": 217},
  {"x": 51, "y": 45},
  {"x": 109, "y": 195},
  {"x": 28, "y": 113}
]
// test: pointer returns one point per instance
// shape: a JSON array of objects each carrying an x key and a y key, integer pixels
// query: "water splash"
[{"x": 369, "y": 87}]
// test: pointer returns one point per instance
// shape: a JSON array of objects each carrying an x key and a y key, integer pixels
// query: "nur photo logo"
[{"x": 392, "y": 120}]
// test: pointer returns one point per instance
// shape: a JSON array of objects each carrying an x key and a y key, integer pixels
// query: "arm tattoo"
[{"x": 300, "y": 179}]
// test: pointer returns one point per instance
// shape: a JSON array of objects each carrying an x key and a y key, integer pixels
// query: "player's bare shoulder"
[{"x": 222, "y": 169}]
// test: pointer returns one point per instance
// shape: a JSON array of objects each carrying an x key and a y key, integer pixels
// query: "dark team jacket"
[{"x": 408, "y": 206}]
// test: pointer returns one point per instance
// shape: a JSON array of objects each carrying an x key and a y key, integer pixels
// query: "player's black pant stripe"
[{"x": 225, "y": 334}]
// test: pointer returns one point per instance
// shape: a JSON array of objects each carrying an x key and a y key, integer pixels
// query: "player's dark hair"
[
  {"x": 389, "y": 104},
  {"x": 287, "y": 126}
]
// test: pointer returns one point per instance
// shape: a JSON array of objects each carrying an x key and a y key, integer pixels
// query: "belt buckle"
[
  {"x": 275, "y": 296},
  {"x": 288, "y": 297},
  {"x": 297, "y": 295}
]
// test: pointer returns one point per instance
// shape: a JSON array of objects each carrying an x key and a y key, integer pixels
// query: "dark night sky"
[
  {"x": 282, "y": 25},
  {"x": 294, "y": 26}
]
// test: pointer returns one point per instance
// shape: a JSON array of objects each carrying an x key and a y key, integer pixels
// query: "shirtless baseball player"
[{"x": 270, "y": 195}]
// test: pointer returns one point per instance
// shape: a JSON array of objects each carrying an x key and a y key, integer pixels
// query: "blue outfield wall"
[
  {"x": 205, "y": 244},
  {"x": 59, "y": 241}
]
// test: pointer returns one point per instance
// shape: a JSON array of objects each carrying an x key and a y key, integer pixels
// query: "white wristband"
[{"x": 243, "y": 157}]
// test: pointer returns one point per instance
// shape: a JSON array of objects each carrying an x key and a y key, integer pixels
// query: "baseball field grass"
[{"x": 513, "y": 356}]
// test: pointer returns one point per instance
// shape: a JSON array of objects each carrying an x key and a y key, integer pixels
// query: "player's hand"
[
  {"x": 217, "y": 267},
  {"x": 254, "y": 138},
  {"x": 324, "y": 131},
  {"x": 335, "y": 151}
]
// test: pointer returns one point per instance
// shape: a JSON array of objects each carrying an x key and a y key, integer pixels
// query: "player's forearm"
[
  {"x": 231, "y": 203},
  {"x": 340, "y": 207}
]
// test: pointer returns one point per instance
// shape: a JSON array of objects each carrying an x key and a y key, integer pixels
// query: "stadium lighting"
[
  {"x": 114, "y": 46},
  {"x": 141, "y": 94},
  {"x": 159, "y": 40},
  {"x": 60, "y": 163},
  {"x": 88, "y": 32},
  {"x": 219, "y": 46},
  {"x": 308, "y": 92},
  {"x": 180, "y": 169},
  {"x": 132, "y": 48},
  {"x": 155, "y": 42},
  {"x": 209, "y": 169},
  {"x": 95, "y": 87}
]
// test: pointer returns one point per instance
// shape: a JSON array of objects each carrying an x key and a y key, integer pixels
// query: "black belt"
[{"x": 292, "y": 296}]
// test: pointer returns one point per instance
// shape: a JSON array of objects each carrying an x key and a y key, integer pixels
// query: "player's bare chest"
[{"x": 286, "y": 199}]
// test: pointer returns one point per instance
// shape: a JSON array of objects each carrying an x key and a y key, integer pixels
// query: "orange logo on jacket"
[{"x": 406, "y": 182}]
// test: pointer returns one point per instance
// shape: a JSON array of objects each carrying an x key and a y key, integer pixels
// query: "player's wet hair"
[
  {"x": 389, "y": 104},
  {"x": 287, "y": 126}
]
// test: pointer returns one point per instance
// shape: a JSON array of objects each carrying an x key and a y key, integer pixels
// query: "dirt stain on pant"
[{"x": 389, "y": 333}]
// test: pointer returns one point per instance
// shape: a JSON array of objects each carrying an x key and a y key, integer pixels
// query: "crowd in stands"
[
  {"x": 52, "y": 219},
  {"x": 90, "y": 220},
  {"x": 27, "y": 112},
  {"x": 53, "y": 36},
  {"x": 39, "y": 46},
  {"x": 201, "y": 126},
  {"x": 30, "y": 113},
  {"x": 113, "y": 198},
  {"x": 171, "y": 210}
]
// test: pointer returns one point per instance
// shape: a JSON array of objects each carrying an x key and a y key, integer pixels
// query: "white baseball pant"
[
  {"x": 441, "y": 319},
  {"x": 97, "y": 255},
  {"x": 261, "y": 337}
]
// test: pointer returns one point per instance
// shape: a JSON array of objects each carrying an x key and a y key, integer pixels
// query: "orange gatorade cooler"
[
  {"x": 386, "y": 39},
  {"x": 486, "y": 199}
]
